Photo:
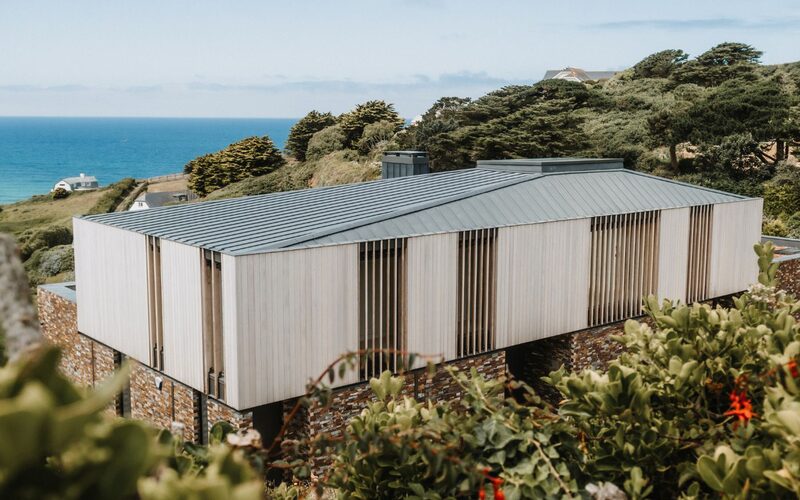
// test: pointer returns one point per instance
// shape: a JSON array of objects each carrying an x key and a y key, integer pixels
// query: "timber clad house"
[{"x": 239, "y": 302}]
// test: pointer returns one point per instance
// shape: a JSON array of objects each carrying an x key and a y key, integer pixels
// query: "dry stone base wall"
[
  {"x": 789, "y": 276},
  {"x": 348, "y": 402},
  {"x": 592, "y": 348}
]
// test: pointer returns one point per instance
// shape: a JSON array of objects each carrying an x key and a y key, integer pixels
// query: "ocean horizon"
[{"x": 36, "y": 152}]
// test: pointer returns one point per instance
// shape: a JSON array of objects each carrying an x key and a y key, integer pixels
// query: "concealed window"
[
  {"x": 212, "y": 324},
  {"x": 699, "y": 253},
  {"x": 382, "y": 322},
  {"x": 624, "y": 265},
  {"x": 476, "y": 291},
  {"x": 154, "y": 302}
]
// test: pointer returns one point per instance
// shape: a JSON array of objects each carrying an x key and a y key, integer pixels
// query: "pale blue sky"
[{"x": 264, "y": 58}]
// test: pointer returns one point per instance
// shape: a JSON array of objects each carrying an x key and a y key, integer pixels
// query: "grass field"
[{"x": 41, "y": 211}]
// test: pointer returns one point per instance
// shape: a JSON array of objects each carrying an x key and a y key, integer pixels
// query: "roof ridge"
[{"x": 521, "y": 178}]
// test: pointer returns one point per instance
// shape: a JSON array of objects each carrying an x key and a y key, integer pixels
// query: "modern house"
[
  {"x": 244, "y": 299},
  {"x": 160, "y": 199},
  {"x": 578, "y": 75},
  {"x": 81, "y": 183}
]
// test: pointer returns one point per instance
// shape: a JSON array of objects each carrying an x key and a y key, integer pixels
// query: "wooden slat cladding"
[
  {"x": 542, "y": 280},
  {"x": 477, "y": 291},
  {"x": 431, "y": 290},
  {"x": 213, "y": 353},
  {"x": 111, "y": 274},
  {"x": 382, "y": 311},
  {"x": 736, "y": 227},
  {"x": 699, "y": 266},
  {"x": 182, "y": 317},
  {"x": 154, "y": 302},
  {"x": 624, "y": 265}
]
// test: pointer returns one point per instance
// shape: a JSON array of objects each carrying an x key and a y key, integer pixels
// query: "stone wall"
[
  {"x": 348, "y": 402},
  {"x": 218, "y": 412},
  {"x": 789, "y": 276},
  {"x": 591, "y": 348},
  {"x": 157, "y": 399}
]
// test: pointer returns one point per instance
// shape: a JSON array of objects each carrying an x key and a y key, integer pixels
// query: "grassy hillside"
[
  {"x": 721, "y": 120},
  {"x": 42, "y": 226}
]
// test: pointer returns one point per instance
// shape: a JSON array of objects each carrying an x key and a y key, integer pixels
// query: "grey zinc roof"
[
  {"x": 261, "y": 223},
  {"x": 544, "y": 198},
  {"x": 407, "y": 206}
]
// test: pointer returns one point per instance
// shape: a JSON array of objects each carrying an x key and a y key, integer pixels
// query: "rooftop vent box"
[
  {"x": 552, "y": 165},
  {"x": 404, "y": 163}
]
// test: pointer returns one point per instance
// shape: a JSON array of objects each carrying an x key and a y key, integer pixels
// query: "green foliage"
[
  {"x": 354, "y": 122},
  {"x": 661, "y": 406},
  {"x": 723, "y": 62},
  {"x": 376, "y": 136},
  {"x": 660, "y": 65},
  {"x": 400, "y": 448},
  {"x": 704, "y": 402},
  {"x": 513, "y": 122},
  {"x": 32, "y": 240},
  {"x": 782, "y": 192},
  {"x": 326, "y": 141},
  {"x": 113, "y": 196},
  {"x": 302, "y": 131},
  {"x": 251, "y": 157},
  {"x": 48, "y": 262},
  {"x": 57, "y": 442},
  {"x": 60, "y": 193}
]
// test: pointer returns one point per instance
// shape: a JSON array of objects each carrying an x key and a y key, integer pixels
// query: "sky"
[{"x": 265, "y": 58}]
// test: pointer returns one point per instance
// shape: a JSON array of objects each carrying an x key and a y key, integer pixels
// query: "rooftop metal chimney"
[{"x": 404, "y": 164}]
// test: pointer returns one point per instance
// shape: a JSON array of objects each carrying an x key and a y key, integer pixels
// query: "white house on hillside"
[{"x": 81, "y": 183}]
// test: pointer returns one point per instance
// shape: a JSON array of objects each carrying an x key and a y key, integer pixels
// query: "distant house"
[
  {"x": 153, "y": 200},
  {"x": 578, "y": 75},
  {"x": 81, "y": 183}
]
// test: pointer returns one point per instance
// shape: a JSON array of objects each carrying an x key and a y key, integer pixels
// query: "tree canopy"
[
  {"x": 302, "y": 131},
  {"x": 249, "y": 157}
]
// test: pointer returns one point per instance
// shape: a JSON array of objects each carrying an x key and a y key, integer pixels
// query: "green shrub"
[
  {"x": 60, "y": 193},
  {"x": 48, "y": 262},
  {"x": 703, "y": 403},
  {"x": 113, "y": 195},
  {"x": 57, "y": 442},
  {"x": 251, "y": 157},
  {"x": 325, "y": 141},
  {"x": 34, "y": 239},
  {"x": 303, "y": 130},
  {"x": 376, "y": 134}
]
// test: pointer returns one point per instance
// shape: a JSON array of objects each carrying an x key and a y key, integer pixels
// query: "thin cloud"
[
  {"x": 699, "y": 24},
  {"x": 463, "y": 79}
]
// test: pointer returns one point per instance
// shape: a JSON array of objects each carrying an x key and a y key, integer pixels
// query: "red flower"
[
  {"x": 481, "y": 494},
  {"x": 741, "y": 408},
  {"x": 792, "y": 366}
]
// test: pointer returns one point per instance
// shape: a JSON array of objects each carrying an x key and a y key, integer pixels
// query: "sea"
[{"x": 36, "y": 152}]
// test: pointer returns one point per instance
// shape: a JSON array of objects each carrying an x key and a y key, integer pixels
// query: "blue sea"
[{"x": 36, "y": 152}]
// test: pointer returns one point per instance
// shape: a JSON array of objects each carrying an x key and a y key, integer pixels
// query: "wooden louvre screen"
[
  {"x": 477, "y": 278},
  {"x": 211, "y": 296},
  {"x": 697, "y": 275},
  {"x": 624, "y": 265},
  {"x": 382, "y": 311},
  {"x": 154, "y": 307}
]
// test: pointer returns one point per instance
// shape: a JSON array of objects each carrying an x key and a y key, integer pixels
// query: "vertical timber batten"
[
  {"x": 542, "y": 280},
  {"x": 111, "y": 277},
  {"x": 735, "y": 228}
]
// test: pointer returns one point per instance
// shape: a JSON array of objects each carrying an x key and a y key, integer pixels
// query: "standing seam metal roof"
[{"x": 408, "y": 206}]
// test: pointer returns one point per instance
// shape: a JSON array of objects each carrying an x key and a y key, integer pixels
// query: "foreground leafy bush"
[
  {"x": 705, "y": 402},
  {"x": 56, "y": 442}
]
